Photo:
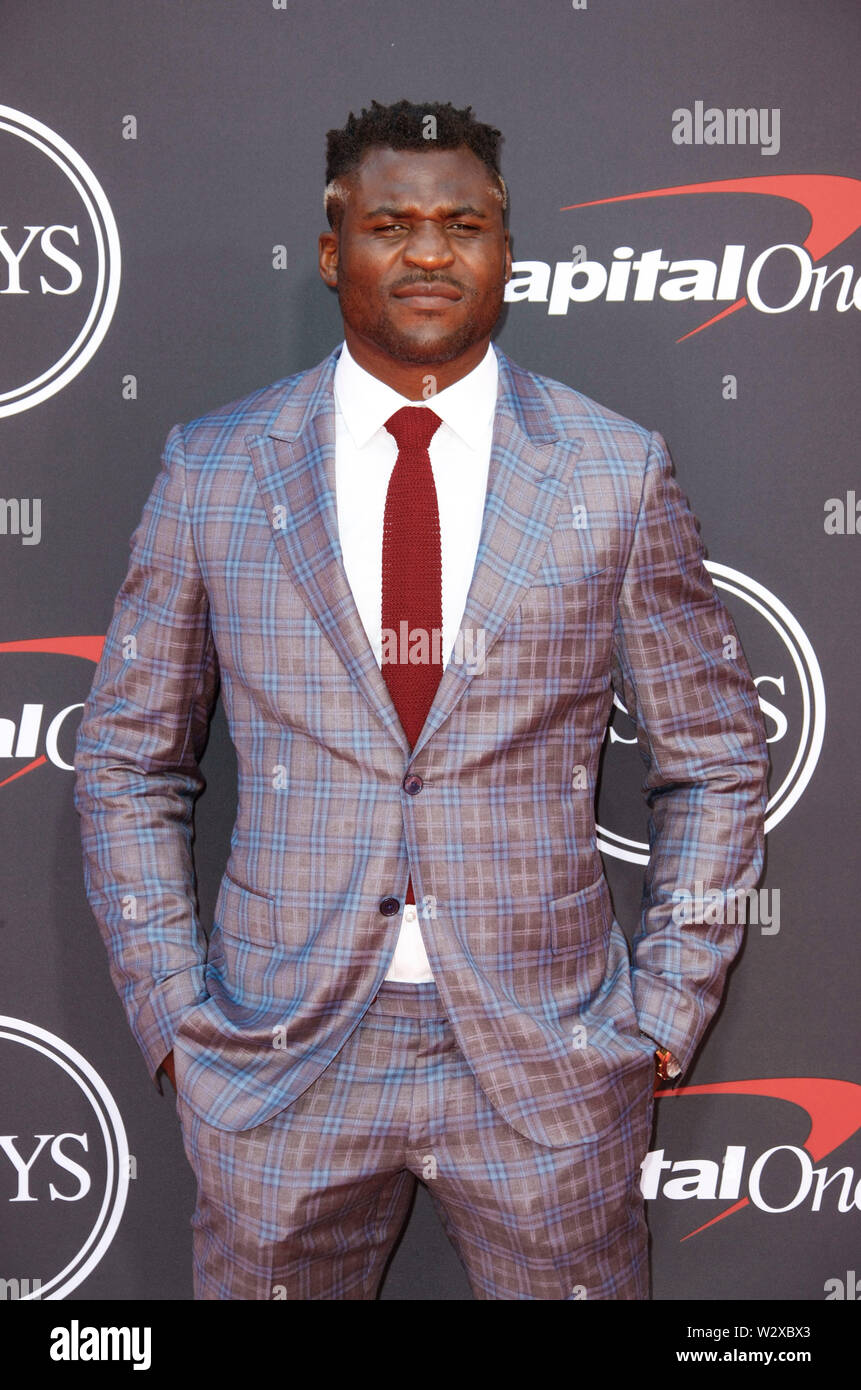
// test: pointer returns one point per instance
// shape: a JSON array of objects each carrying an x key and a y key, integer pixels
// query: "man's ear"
[{"x": 328, "y": 258}]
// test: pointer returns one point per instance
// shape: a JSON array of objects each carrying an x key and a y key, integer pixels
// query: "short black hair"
[{"x": 405, "y": 125}]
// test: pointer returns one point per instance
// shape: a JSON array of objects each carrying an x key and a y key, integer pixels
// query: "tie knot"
[{"x": 413, "y": 426}]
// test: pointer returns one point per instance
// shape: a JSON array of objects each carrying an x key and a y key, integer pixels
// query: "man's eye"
[{"x": 454, "y": 226}]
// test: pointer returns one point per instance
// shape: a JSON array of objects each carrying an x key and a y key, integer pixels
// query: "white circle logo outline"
[
  {"x": 107, "y": 289},
  {"x": 94, "y": 1088},
  {"x": 800, "y": 649}
]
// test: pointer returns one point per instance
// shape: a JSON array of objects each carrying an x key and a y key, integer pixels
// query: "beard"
[{"x": 427, "y": 344}]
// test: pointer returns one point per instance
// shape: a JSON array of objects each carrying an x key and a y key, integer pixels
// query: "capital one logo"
[
  {"x": 780, "y": 1178},
  {"x": 64, "y": 1164},
  {"x": 59, "y": 262},
  {"x": 37, "y": 733},
  {"x": 791, "y": 698},
  {"x": 771, "y": 279}
]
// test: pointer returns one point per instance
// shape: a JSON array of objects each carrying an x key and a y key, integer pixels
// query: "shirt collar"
[{"x": 366, "y": 403}]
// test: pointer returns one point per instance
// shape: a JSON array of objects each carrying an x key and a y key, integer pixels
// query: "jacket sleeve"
[
  {"x": 680, "y": 671},
  {"x": 144, "y": 729}
]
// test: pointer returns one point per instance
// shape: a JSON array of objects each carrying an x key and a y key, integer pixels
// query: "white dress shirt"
[{"x": 365, "y": 455}]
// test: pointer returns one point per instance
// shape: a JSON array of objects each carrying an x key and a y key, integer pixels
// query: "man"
[{"x": 419, "y": 573}]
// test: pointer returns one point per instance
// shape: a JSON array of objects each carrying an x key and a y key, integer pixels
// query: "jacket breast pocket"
[
  {"x": 245, "y": 913},
  {"x": 552, "y": 572},
  {"x": 569, "y": 597},
  {"x": 581, "y": 922}
]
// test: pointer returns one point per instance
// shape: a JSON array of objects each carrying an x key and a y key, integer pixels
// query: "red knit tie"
[{"x": 412, "y": 575}]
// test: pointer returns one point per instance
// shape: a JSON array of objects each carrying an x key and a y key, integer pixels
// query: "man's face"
[{"x": 421, "y": 257}]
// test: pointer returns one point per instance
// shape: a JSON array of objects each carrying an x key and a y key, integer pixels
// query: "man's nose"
[{"x": 428, "y": 246}]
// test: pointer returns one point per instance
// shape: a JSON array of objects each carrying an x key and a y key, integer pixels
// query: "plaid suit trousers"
[{"x": 310, "y": 1203}]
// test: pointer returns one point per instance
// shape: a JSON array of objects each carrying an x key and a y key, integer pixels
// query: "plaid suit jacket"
[{"x": 589, "y": 579}]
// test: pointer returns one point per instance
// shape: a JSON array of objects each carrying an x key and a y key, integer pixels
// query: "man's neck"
[{"x": 416, "y": 381}]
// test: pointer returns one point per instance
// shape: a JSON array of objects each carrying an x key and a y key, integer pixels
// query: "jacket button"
[
  {"x": 389, "y": 906},
  {"x": 412, "y": 784}
]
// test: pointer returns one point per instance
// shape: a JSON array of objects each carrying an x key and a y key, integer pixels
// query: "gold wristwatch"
[{"x": 666, "y": 1064}]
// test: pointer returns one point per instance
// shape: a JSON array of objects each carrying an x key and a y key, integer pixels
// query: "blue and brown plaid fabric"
[
  {"x": 309, "y": 1204},
  {"x": 589, "y": 579}
]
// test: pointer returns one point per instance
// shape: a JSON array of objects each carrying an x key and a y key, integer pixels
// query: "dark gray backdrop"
[{"x": 231, "y": 103}]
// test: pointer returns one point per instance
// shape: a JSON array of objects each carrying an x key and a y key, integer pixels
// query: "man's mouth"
[{"x": 427, "y": 290}]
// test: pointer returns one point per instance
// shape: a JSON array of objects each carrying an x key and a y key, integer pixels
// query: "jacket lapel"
[
  {"x": 526, "y": 488},
  {"x": 294, "y": 463}
]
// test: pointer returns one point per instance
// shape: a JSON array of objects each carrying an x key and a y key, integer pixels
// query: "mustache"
[{"x": 429, "y": 280}]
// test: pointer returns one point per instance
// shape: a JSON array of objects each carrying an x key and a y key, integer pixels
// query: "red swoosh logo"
[
  {"x": 833, "y": 1108},
  {"x": 90, "y": 648},
  {"x": 832, "y": 201},
  {"x": 37, "y": 762}
]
